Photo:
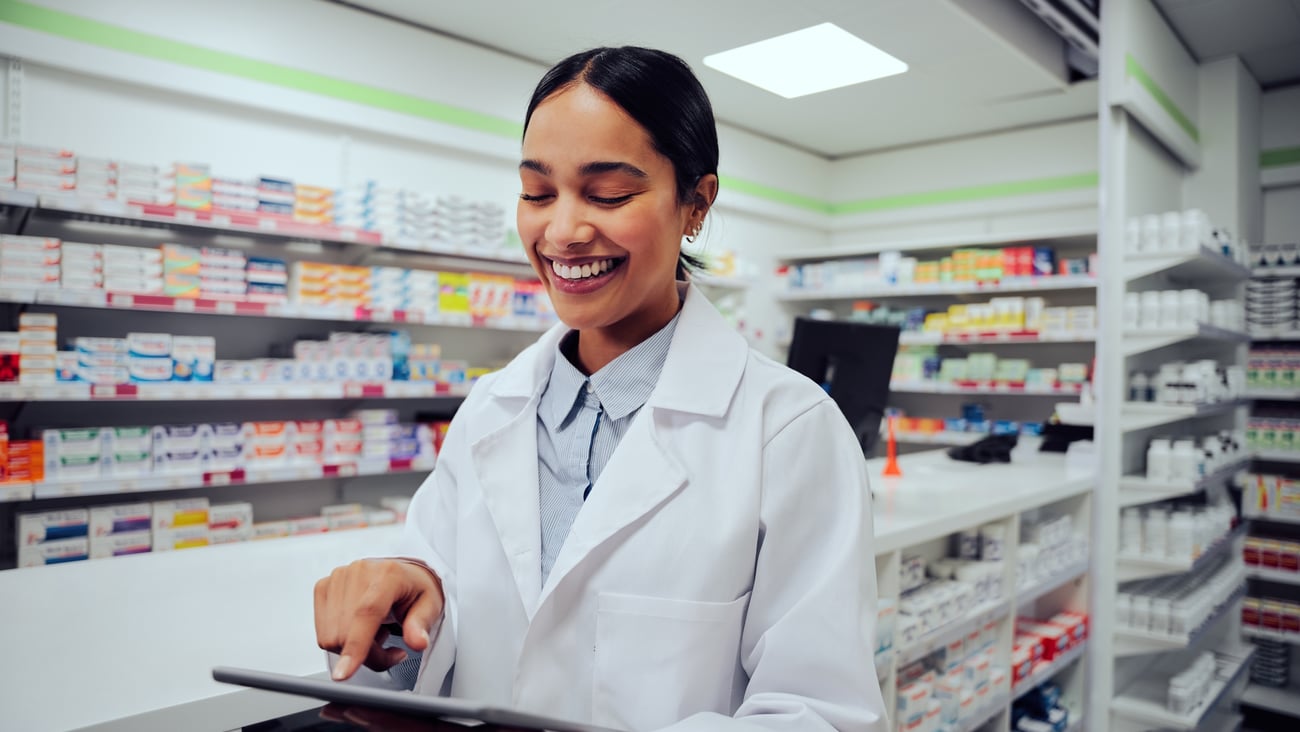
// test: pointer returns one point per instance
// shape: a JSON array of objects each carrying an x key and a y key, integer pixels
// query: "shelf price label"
[
  {"x": 267, "y": 224},
  {"x": 221, "y": 219},
  {"x": 184, "y": 305},
  {"x": 186, "y": 216},
  {"x": 226, "y": 307}
]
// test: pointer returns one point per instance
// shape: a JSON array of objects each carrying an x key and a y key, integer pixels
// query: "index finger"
[{"x": 361, "y": 632}]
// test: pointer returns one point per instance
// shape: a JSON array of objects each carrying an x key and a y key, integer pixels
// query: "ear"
[{"x": 706, "y": 191}]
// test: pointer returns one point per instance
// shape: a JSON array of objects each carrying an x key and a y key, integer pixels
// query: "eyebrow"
[{"x": 587, "y": 169}]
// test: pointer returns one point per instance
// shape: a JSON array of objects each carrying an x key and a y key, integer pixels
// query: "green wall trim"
[
  {"x": 1279, "y": 157},
  {"x": 967, "y": 194},
  {"x": 93, "y": 32},
  {"x": 73, "y": 27},
  {"x": 1135, "y": 70}
]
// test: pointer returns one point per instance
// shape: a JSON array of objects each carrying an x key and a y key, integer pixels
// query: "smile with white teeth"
[{"x": 578, "y": 272}]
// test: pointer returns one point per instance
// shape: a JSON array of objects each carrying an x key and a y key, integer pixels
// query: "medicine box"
[
  {"x": 121, "y": 544},
  {"x": 54, "y": 552},
  {"x": 180, "y": 513},
  {"x": 182, "y": 537},
  {"x": 35, "y": 528},
  {"x": 230, "y": 516},
  {"x": 272, "y": 530},
  {"x": 120, "y": 519}
]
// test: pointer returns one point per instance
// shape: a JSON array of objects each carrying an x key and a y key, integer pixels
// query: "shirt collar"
[{"x": 622, "y": 386}]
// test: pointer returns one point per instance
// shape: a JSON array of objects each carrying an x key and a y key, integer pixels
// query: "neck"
[{"x": 598, "y": 346}]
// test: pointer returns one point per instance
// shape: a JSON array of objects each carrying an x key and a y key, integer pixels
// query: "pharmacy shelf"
[
  {"x": 1281, "y": 395},
  {"x": 1201, "y": 265},
  {"x": 1141, "y": 341},
  {"x": 1272, "y": 517},
  {"x": 1075, "y": 237},
  {"x": 1277, "y": 456},
  {"x": 225, "y": 392},
  {"x": 983, "y": 388},
  {"x": 1045, "y": 671},
  {"x": 1273, "y": 635},
  {"x": 941, "y": 636},
  {"x": 1291, "y": 271},
  {"x": 243, "y": 222},
  {"x": 1137, "y": 490},
  {"x": 1282, "y": 701},
  {"x": 917, "y": 338},
  {"x": 1145, "y": 700},
  {"x": 1274, "y": 335},
  {"x": 984, "y": 714},
  {"x": 1130, "y": 642},
  {"x": 940, "y": 289},
  {"x": 1040, "y": 588},
  {"x": 1273, "y": 575},
  {"x": 101, "y": 299},
  {"x": 240, "y": 476},
  {"x": 1145, "y": 415},
  {"x": 946, "y": 438},
  {"x": 1129, "y": 568}
]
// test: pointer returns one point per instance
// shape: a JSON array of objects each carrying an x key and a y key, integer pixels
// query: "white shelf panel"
[
  {"x": 106, "y": 300},
  {"x": 1145, "y": 700},
  {"x": 242, "y": 476},
  {"x": 1199, "y": 264},
  {"x": 946, "y": 438},
  {"x": 1278, "y": 456},
  {"x": 1144, "y": 415},
  {"x": 1141, "y": 341},
  {"x": 1283, "y": 701},
  {"x": 994, "y": 339},
  {"x": 1022, "y": 284},
  {"x": 1137, "y": 490},
  {"x": 1285, "y": 395},
  {"x": 1039, "y": 588},
  {"x": 939, "y": 637},
  {"x": 1129, "y": 642},
  {"x": 1273, "y": 635},
  {"x": 1273, "y": 575},
  {"x": 1129, "y": 568},
  {"x": 984, "y": 714},
  {"x": 983, "y": 389},
  {"x": 1046, "y": 671},
  {"x": 1275, "y": 335},
  {"x": 182, "y": 391}
]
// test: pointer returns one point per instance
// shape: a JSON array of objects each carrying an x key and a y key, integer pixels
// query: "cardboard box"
[
  {"x": 35, "y": 528},
  {"x": 180, "y": 513},
  {"x": 121, "y": 544},
  {"x": 54, "y": 552}
]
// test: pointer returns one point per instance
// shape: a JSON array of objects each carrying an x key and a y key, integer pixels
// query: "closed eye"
[
  {"x": 534, "y": 199},
  {"x": 611, "y": 201}
]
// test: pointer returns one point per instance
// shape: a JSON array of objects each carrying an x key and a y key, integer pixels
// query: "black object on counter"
[{"x": 991, "y": 449}]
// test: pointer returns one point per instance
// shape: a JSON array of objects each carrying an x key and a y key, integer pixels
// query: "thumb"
[{"x": 420, "y": 617}]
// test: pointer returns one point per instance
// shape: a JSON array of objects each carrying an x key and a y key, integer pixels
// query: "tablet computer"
[{"x": 397, "y": 702}]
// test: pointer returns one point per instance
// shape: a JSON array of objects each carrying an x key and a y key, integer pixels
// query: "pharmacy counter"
[
  {"x": 129, "y": 643},
  {"x": 937, "y": 495}
]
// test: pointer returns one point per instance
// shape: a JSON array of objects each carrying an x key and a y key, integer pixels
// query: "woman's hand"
[{"x": 355, "y": 601}]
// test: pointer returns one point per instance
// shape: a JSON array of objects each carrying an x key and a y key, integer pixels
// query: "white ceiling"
[
  {"x": 964, "y": 79},
  {"x": 1265, "y": 33}
]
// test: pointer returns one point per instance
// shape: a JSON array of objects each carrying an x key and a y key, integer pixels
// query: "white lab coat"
[{"x": 722, "y": 566}]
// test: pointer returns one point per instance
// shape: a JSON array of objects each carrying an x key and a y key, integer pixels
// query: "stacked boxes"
[
  {"x": 222, "y": 274},
  {"x": 53, "y": 537},
  {"x": 194, "y": 358},
  {"x": 182, "y": 271},
  {"x": 82, "y": 267},
  {"x": 121, "y": 530},
  {"x": 1040, "y": 642},
  {"x": 181, "y": 524},
  {"x": 954, "y": 687},
  {"x": 395, "y": 213},
  {"x": 404, "y": 289},
  {"x": 10, "y": 360},
  {"x": 100, "y": 361},
  {"x": 230, "y": 522},
  {"x": 181, "y": 449},
  {"x": 275, "y": 196},
  {"x": 267, "y": 280},
  {"x": 475, "y": 225},
  {"x": 147, "y": 184},
  {"x": 230, "y": 194},
  {"x": 96, "y": 178},
  {"x": 149, "y": 357},
  {"x": 313, "y": 204},
  {"x": 29, "y": 262},
  {"x": 74, "y": 454},
  {"x": 268, "y": 443},
  {"x": 45, "y": 169},
  {"x": 194, "y": 186},
  {"x": 134, "y": 270},
  {"x": 37, "y": 345}
]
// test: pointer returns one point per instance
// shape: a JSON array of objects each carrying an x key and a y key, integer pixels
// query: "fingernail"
[
  {"x": 424, "y": 636},
  {"x": 342, "y": 668}
]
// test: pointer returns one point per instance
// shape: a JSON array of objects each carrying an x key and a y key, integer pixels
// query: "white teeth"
[{"x": 578, "y": 272}]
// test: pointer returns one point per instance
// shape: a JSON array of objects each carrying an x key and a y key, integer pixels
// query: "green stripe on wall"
[
  {"x": 35, "y": 17},
  {"x": 968, "y": 194},
  {"x": 1136, "y": 71},
  {"x": 1280, "y": 157},
  {"x": 93, "y": 32}
]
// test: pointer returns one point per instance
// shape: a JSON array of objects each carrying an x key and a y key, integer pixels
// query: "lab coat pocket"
[{"x": 658, "y": 660}]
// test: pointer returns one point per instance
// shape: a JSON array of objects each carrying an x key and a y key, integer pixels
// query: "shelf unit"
[
  {"x": 1278, "y": 456},
  {"x": 221, "y": 391},
  {"x": 1046, "y": 671},
  {"x": 994, "y": 338},
  {"x": 1274, "y": 335},
  {"x": 939, "y": 289},
  {"x": 1273, "y": 575},
  {"x": 1130, "y": 642},
  {"x": 1282, "y": 701},
  {"x": 1136, "y": 490},
  {"x": 984, "y": 389},
  {"x": 1042, "y": 587},
  {"x": 1144, "y": 701},
  {"x": 1281, "y": 395},
  {"x": 1154, "y": 98},
  {"x": 1266, "y": 634}
]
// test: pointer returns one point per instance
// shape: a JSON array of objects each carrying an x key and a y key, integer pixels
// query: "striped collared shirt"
[{"x": 580, "y": 422}]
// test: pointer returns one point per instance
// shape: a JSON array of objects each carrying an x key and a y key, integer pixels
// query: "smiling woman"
[{"x": 638, "y": 523}]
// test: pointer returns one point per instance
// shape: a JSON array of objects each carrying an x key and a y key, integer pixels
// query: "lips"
[
  {"x": 585, "y": 270},
  {"x": 583, "y": 275}
]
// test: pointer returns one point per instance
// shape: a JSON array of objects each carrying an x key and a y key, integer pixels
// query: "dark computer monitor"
[{"x": 853, "y": 362}]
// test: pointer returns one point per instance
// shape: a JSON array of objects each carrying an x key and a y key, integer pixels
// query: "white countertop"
[{"x": 129, "y": 643}]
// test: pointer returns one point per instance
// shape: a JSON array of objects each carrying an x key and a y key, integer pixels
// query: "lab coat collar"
[{"x": 704, "y": 365}]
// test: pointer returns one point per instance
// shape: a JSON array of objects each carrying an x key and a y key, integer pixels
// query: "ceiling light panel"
[{"x": 807, "y": 61}]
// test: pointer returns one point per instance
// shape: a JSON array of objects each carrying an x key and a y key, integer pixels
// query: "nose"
[{"x": 568, "y": 226}]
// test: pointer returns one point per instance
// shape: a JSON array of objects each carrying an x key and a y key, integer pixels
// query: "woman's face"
[{"x": 599, "y": 214}]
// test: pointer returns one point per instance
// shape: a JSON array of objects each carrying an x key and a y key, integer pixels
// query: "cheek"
[{"x": 651, "y": 237}]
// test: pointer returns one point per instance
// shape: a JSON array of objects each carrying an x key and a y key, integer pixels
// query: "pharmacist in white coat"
[{"x": 638, "y": 523}]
